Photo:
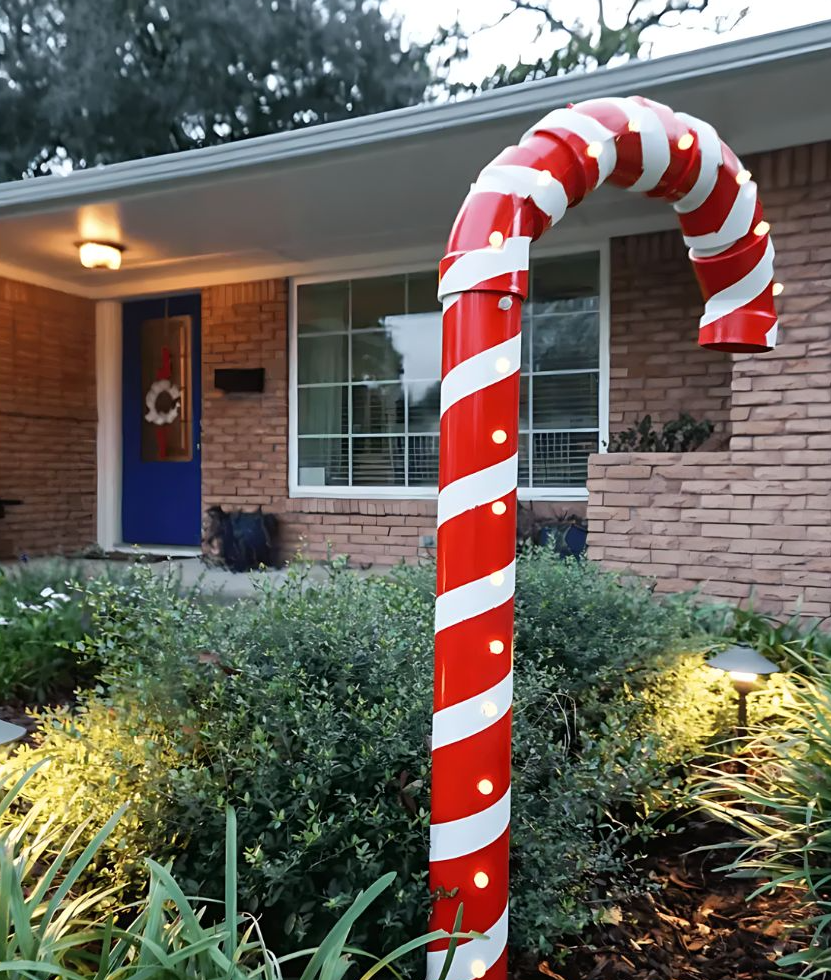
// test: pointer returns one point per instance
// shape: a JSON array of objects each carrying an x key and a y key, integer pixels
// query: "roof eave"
[{"x": 210, "y": 163}]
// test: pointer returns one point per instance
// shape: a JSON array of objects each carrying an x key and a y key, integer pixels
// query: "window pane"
[
  {"x": 322, "y": 359},
  {"x": 567, "y": 341},
  {"x": 377, "y": 408},
  {"x": 378, "y": 462},
  {"x": 522, "y": 475},
  {"x": 373, "y": 300},
  {"x": 565, "y": 401},
  {"x": 417, "y": 339},
  {"x": 409, "y": 347},
  {"x": 323, "y": 462},
  {"x": 565, "y": 284},
  {"x": 424, "y": 398},
  {"x": 523, "y": 402},
  {"x": 322, "y": 306},
  {"x": 560, "y": 458},
  {"x": 323, "y": 411},
  {"x": 374, "y": 357},
  {"x": 166, "y": 398},
  {"x": 424, "y": 461},
  {"x": 422, "y": 289}
]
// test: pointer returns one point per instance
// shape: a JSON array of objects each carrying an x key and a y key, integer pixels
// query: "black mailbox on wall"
[{"x": 239, "y": 379}]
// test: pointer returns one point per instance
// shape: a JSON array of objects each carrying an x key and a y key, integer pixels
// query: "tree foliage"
[
  {"x": 579, "y": 44},
  {"x": 85, "y": 82}
]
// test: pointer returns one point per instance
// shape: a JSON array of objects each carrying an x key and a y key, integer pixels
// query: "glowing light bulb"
[
  {"x": 743, "y": 176},
  {"x": 481, "y": 880},
  {"x": 743, "y": 676},
  {"x": 489, "y": 709},
  {"x": 594, "y": 150},
  {"x": 778, "y": 289},
  {"x": 485, "y": 787},
  {"x": 497, "y": 578},
  {"x": 499, "y": 436},
  {"x": 634, "y": 126},
  {"x": 503, "y": 365},
  {"x": 496, "y": 646},
  {"x": 762, "y": 228},
  {"x": 496, "y": 239},
  {"x": 544, "y": 178},
  {"x": 478, "y": 968},
  {"x": 499, "y": 507},
  {"x": 505, "y": 303},
  {"x": 99, "y": 255},
  {"x": 685, "y": 141}
]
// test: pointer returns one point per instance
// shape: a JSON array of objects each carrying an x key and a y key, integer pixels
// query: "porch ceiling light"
[{"x": 100, "y": 255}]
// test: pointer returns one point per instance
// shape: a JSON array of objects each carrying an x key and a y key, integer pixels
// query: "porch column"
[{"x": 108, "y": 388}]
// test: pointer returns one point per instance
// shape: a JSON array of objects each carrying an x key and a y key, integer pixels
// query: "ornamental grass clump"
[{"x": 52, "y": 926}]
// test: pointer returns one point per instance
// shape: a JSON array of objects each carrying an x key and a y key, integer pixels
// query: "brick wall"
[
  {"x": 245, "y": 443},
  {"x": 244, "y": 436},
  {"x": 730, "y": 523},
  {"x": 47, "y": 420},
  {"x": 757, "y": 517},
  {"x": 782, "y": 400},
  {"x": 657, "y": 367}
]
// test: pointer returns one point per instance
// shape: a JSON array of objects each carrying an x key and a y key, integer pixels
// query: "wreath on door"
[{"x": 163, "y": 400}]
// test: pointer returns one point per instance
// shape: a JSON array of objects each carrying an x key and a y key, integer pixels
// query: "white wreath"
[{"x": 153, "y": 414}]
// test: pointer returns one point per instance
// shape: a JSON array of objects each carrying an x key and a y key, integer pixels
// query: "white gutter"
[{"x": 209, "y": 163}]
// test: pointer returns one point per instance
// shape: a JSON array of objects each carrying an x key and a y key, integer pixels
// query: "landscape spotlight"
[
  {"x": 744, "y": 665},
  {"x": 9, "y": 732}
]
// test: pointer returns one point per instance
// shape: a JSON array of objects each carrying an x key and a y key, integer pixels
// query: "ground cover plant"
[{"x": 307, "y": 709}]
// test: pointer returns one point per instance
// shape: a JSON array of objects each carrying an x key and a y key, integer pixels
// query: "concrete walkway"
[{"x": 219, "y": 584}]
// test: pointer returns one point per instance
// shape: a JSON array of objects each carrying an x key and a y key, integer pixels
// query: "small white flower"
[
  {"x": 4, "y": 621},
  {"x": 62, "y": 597},
  {"x": 45, "y": 593}
]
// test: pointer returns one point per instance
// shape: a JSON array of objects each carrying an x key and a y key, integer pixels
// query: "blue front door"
[{"x": 162, "y": 391}]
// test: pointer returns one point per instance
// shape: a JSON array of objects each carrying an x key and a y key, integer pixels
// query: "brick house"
[{"x": 284, "y": 289}]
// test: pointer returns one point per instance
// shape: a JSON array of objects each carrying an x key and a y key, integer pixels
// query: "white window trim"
[{"x": 565, "y": 494}]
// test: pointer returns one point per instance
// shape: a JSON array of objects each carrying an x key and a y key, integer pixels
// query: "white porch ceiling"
[{"x": 383, "y": 190}]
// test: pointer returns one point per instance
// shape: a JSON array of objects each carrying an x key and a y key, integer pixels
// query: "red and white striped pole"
[{"x": 639, "y": 145}]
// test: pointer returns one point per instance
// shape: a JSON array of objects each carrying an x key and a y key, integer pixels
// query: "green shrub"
[
  {"x": 308, "y": 710},
  {"x": 40, "y": 620}
]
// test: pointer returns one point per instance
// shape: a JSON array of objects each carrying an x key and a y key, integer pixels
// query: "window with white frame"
[{"x": 368, "y": 368}]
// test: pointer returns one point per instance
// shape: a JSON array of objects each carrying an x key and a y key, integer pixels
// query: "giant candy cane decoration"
[{"x": 641, "y": 146}]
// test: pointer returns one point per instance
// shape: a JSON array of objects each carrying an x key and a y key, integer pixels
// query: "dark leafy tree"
[
  {"x": 85, "y": 82},
  {"x": 578, "y": 45}
]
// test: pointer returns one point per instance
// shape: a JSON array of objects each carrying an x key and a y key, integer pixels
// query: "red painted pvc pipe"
[{"x": 641, "y": 146}]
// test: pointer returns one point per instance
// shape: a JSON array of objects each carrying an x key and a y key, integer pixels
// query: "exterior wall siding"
[{"x": 48, "y": 420}]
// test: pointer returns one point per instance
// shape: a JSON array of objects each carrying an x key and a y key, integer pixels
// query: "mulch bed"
[{"x": 696, "y": 925}]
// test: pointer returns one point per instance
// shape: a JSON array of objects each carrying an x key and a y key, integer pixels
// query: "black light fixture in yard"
[
  {"x": 10, "y": 733},
  {"x": 744, "y": 666}
]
